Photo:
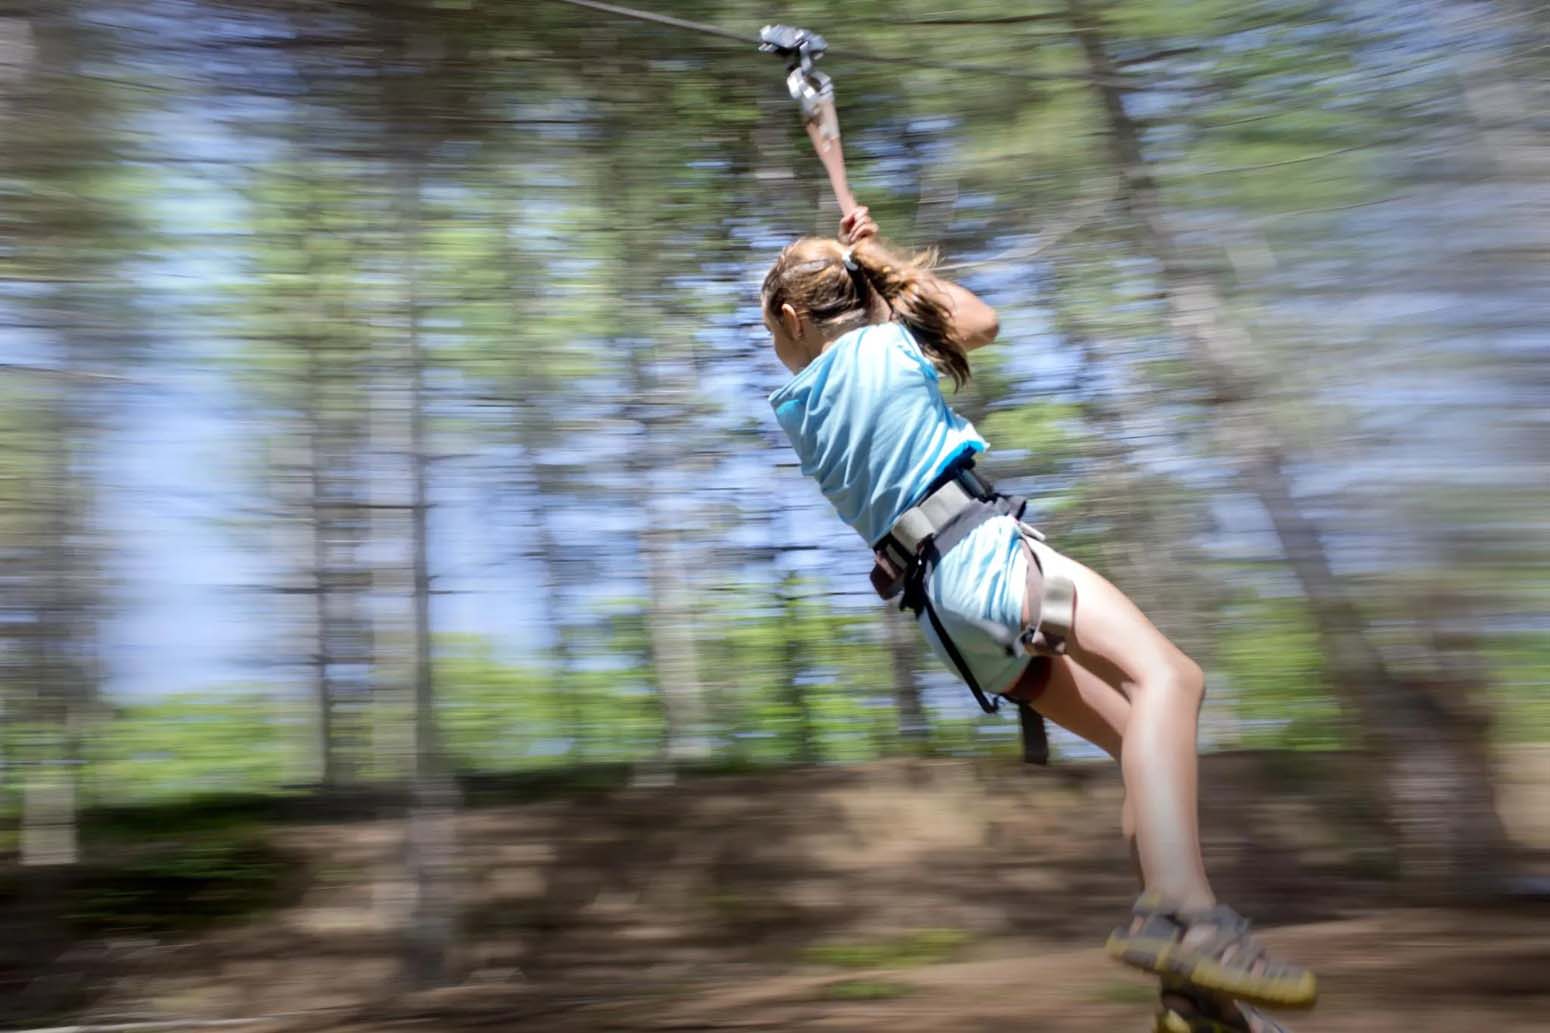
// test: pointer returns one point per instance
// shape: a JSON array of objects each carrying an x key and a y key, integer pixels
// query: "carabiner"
[{"x": 811, "y": 89}]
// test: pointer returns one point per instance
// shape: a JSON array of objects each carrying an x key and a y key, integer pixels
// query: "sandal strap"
[
  {"x": 1231, "y": 935},
  {"x": 1218, "y": 915},
  {"x": 1155, "y": 919}
]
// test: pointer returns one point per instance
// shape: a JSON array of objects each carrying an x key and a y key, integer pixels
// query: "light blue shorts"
[{"x": 984, "y": 578}]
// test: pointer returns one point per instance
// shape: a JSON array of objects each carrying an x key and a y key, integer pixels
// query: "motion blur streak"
[{"x": 404, "y": 585}]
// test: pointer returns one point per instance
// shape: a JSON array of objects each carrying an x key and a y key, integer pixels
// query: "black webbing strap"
[
  {"x": 986, "y": 704},
  {"x": 918, "y": 598},
  {"x": 1031, "y": 724}
]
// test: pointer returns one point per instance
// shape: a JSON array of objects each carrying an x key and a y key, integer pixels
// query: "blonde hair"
[{"x": 812, "y": 277}]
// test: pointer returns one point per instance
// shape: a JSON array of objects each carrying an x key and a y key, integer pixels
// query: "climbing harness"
[
  {"x": 954, "y": 504},
  {"x": 814, "y": 93}
]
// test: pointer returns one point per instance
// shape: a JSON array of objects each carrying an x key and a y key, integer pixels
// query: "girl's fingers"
[{"x": 850, "y": 225}]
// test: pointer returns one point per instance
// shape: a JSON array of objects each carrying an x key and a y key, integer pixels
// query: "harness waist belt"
[{"x": 956, "y": 493}]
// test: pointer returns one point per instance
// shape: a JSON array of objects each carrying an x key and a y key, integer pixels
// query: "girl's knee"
[
  {"x": 1192, "y": 676},
  {"x": 1179, "y": 679}
]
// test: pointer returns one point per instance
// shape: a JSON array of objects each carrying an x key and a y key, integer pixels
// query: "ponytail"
[
  {"x": 905, "y": 284},
  {"x": 840, "y": 289}
]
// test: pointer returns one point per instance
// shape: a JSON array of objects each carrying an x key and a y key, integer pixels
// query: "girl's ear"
[{"x": 791, "y": 322}]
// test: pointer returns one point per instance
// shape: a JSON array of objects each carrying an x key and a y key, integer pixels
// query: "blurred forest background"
[{"x": 382, "y": 396}]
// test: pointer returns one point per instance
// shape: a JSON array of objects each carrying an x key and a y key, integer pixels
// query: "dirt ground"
[
  {"x": 960, "y": 895},
  {"x": 1397, "y": 972}
]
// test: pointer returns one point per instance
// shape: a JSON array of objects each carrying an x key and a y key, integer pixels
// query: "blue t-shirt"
[{"x": 869, "y": 423}]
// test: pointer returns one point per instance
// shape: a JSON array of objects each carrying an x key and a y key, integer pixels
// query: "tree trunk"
[
  {"x": 903, "y": 645},
  {"x": 535, "y": 435},
  {"x": 1434, "y": 761},
  {"x": 322, "y": 690},
  {"x": 673, "y": 649},
  {"x": 806, "y": 735},
  {"x": 49, "y": 795},
  {"x": 670, "y": 619},
  {"x": 433, "y": 806}
]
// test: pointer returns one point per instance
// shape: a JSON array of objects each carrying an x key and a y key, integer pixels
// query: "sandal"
[
  {"x": 1185, "y": 1010},
  {"x": 1226, "y": 961}
]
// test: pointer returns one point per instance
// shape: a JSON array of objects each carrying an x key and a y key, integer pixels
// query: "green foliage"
[
  {"x": 494, "y": 716},
  {"x": 804, "y": 680},
  {"x": 1181, "y": 19},
  {"x": 1273, "y": 665},
  {"x": 1048, "y": 434},
  {"x": 1520, "y": 673},
  {"x": 1226, "y": 173},
  {"x": 184, "y": 746}
]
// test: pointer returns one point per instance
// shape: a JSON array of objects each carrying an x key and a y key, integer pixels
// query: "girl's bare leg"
[
  {"x": 1084, "y": 704},
  {"x": 1114, "y": 647}
]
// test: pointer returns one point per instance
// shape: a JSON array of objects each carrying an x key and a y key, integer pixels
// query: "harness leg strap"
[
  {"x": 1034, "y": 734},
  {"x": 1055, "y": 616}
]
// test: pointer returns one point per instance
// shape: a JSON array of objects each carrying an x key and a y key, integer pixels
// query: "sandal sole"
[{"x": 1158, "y": 957}]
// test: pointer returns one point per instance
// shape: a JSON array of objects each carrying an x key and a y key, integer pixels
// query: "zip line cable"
[
  {"x": 661, "y": 19},
  {"x": 1046, "y": 239},
  {"x": 854, "y": 55}
]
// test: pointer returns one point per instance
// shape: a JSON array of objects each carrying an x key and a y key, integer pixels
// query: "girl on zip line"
[{"x": 868, "y": 335}]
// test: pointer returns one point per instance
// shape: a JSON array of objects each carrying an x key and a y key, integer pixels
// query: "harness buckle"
[
  {"x": 898, "y": 552},
  {"x": 890, "y": 568}
]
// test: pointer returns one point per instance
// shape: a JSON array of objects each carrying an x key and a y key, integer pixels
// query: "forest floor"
[{"x": 900, "y": 896}]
